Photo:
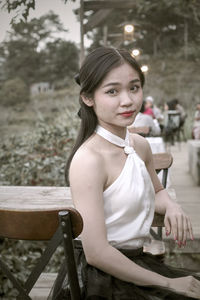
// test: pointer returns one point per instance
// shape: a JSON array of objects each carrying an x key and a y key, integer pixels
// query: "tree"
[
  {"x": 16, "y": 5},
  {"x": 160, "y": 26},
  {"x": 21, "y": 60},
  {"x": 33, "y": 53},
  {"x": 14, "y": 91},
  {"x": 60, "y": 61}
]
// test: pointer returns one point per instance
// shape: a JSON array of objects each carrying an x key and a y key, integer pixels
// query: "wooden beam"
[
  {"x": 105, "y": 35},
  {"x": 95, "y": 5},
  {"x": 117, "y": 43},
  {"x": 82, "y": 52},
  {"x": 96, "y": 19}
]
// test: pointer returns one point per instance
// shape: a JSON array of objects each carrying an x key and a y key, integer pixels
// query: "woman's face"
[
  {"x": 118, "y": 99},
  {"x": 148, "y": 104}
]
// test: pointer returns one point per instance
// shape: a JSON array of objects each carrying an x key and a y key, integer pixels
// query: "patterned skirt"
[{"x": 97, "y": 285}]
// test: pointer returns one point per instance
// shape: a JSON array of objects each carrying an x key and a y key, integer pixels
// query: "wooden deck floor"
[
  {"x": 43, "y": 286},
  {"x": 187, "y": 192}
]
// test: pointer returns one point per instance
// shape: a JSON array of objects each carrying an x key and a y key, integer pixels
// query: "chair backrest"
[
  {"x": 144, "y": 130},
  {"x": 174, "y": 118},
  {"x": 42, "y": 225},
  {"x": 163, "y": 161}
]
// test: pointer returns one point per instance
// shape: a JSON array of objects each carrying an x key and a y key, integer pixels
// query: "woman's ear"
[{"x": 87, "y": 100}]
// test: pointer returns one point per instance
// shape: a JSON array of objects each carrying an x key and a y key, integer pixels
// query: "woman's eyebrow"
[
  {"x": 135, "y": 80},
  {"x": 111, "y": 83},
  {"x": 118, "y": 83}
]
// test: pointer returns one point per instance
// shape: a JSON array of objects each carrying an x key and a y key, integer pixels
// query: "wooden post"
[
  {"x": 105, "y": 35},
  {"x": 185, "y": 39},
  {"x": 81, "y": 11}
]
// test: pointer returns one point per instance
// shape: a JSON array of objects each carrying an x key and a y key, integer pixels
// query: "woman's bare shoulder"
[
  {"x": 138, "y": 141},
  {"x": 141, "y": 145},
  {"x": 87, "y": 163},
  {"x": 87, "y": 156}
]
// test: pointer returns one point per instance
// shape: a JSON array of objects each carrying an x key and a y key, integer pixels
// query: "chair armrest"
[{"x": 158, "y": 220}]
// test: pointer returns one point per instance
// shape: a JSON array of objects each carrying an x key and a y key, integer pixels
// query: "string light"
[
  {"x": 144, "y": 68},
  {"x": 135, "y": 52},
  {"x": 129, "y": 28}
]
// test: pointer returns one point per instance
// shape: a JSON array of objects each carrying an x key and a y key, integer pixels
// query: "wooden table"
[
  {"x": 157, "y": 144},
  {"x": 31, "y": 213},
  {"x": 29, "y": 207},
  {"x": 34, "y": 198},
  {"x": 42, "y": 198}
]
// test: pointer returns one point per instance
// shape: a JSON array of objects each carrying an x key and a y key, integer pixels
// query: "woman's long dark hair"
[{"x": 93, "y": 70}]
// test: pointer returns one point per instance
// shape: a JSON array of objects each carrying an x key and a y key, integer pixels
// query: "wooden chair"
[
  {"x": 171, "y": 131},
  {"x": 53, "y": 226},
  {"x": 31, "y": 213},
  {"x": 144, "y": 130},
  {"x": 162, "y": 162}
]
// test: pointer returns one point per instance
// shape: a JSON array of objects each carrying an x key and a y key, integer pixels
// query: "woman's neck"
[{"x": 116, "y": 130}]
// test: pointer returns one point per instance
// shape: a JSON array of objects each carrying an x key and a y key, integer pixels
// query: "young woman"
[
  {"x": 116, "y": 190},
  {"x": 146, "y": 120}
]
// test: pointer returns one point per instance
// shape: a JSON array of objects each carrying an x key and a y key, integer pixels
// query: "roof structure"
[{"x": 101, "y": 10}]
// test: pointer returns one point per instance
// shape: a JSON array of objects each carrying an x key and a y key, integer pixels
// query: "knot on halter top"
[{"x": 116, "y": 140}]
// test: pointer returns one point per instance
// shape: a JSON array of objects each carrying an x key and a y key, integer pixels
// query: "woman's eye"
[
  {"x": 135, "y": 88},
  {"x": 112, "y": 92}
]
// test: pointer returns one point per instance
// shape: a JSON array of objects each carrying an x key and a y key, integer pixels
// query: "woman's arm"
[{"x": 176, "y": 221}]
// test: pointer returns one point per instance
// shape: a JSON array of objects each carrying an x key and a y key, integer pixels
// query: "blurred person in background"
[
  {"x": 157, "y": 113},
  {"x": 196, "y": 124},
  {"x": 148, "y": 107},
  {"x": 181, "y": 110},
  {"x": 143, "y": 120}
]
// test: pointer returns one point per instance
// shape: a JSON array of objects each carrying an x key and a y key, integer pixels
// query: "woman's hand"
[
  {"x": 178, "y": 223},
  {"x": 187, "y": 286}
]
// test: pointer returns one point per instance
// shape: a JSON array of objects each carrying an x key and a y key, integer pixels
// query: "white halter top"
[{"x": 129, "y": 200}]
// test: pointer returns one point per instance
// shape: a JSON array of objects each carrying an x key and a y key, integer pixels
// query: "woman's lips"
[{"x": 127, "y": 114}]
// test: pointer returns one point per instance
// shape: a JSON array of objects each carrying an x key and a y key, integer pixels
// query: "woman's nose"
[{"x": 126, "y": 99}]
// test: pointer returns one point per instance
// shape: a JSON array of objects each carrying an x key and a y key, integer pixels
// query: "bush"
[
  {"x": 14, "y": 91},
  {"x": 38, "y": 158},
  {"x": 21, "y": 257}
]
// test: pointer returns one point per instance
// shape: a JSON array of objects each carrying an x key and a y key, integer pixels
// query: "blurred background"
[{"x": 42, "y": 46}]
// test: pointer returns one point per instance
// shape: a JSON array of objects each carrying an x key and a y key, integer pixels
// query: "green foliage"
[
  {"x": 60, "y": 62},
  {"x": 23, "y": 4},
  {"x": 39, "y": 158},
  {"x": 21, "y": 256},
  {"x": 14, "y": 91},
  {"x": 21, "y": 60},
  {"x": 21, "y": 7},
  {"x": 34, "y": 54},
  {"x": 161, "y": 27}
]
